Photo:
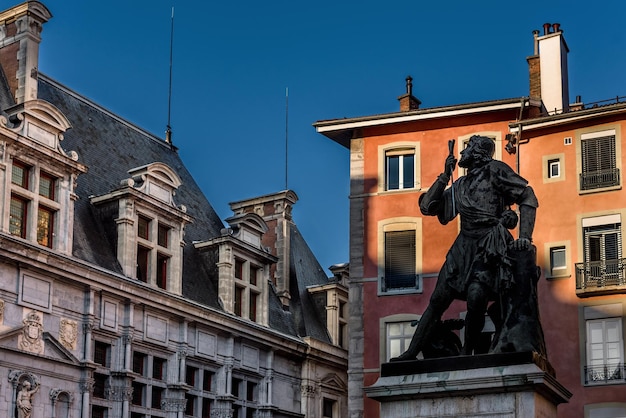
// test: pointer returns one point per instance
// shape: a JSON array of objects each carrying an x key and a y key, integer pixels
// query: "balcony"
[
  {"x": 601, "y": 277},
  {"x": 599, "y": 179},
  {"x": 605, "y": 374}
]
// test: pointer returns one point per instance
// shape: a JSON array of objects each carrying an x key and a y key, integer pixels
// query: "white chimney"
[{"x": 553, "y": 63}]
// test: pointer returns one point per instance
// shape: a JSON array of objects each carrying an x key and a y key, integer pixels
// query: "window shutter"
[
  {"x": 598, "y": 154},
  {"x": 599, "y": 162},
  {"x": 399, "y": 259}
]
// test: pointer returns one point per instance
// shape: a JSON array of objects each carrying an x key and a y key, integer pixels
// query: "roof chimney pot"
[
  {"x": 556, "y": 27},
  {"x": 408, "y": 101},
  {"x": 546, "y": 28}
]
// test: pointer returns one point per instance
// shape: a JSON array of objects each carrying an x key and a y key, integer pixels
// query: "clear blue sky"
[{"x": 233, "y": 61}]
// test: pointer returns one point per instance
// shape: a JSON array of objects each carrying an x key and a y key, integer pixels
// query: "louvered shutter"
[
  {"x": 399, "y": 259},
  {"x": 599, "y": 166}
]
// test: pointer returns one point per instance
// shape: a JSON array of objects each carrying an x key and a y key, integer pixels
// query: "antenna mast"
[
  {"x": 168, "y": 130},
  {"x": 286, "y": 136}
]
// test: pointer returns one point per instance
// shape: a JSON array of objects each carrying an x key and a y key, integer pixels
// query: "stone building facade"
[{"x": 123, "y": 294}]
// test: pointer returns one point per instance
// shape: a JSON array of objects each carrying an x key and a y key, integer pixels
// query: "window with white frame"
[
  {"x": 400, "y": 169},
  {"x": 558, "y": 260},
  {"x": 400, "y": 262},
  {"x": 605, "y": 351},
  {"x": 33, "y": 208},
  {"x": 598, "y": 163},
  {"x": 554, "y": 168},
  {"x": 399, "y": 255},
  {"x": 605, "y": 410},
  {"x": 398, "y": 338},
  {"x": 602, "y": 243}
]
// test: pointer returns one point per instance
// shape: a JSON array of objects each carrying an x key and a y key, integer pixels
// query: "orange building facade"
[{"x": 571, "y": 154}]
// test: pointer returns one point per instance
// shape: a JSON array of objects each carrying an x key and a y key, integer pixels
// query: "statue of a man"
[
  {"x": 24, "y": 396},
  {"x": 477, "y": 266}
]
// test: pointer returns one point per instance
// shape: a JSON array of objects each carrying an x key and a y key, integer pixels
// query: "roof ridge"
[{"x": 90, "y": 102}]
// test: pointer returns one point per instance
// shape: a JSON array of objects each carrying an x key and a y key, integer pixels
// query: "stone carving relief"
[
  {"x": 222, "y": 413},
  {"x": 68, "y": 333},
  {"x": 32, "y": 332},
  {"x": 172, "y": 404},
  {"x": 25, "y": 386},
  {"x": 119, "y": 393}
]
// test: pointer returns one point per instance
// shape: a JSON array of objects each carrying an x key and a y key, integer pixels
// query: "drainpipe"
[{"x": 519, "y": 133}]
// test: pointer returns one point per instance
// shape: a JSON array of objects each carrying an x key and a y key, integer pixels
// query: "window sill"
[
  {"x": 605, "y": 383},
  {"x": 383, "y": 192},
  {"x": 400, "y": 292},
  {"x": 600, "y": 190},
  {"x": 555, "y": 277},
  {"x": 599, "y": 291}
]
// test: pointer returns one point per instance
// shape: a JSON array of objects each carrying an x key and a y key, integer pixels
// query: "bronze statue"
[{"x": 479, "y": 266}]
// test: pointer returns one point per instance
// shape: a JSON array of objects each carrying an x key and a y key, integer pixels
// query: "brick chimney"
[
  {"x": 534, "y": 70},
  {"x": 409, "y": 102},
  {"x": 275, "y": 209},
  {"x": 547, "y": 69},
  {"x": 20, "y": 29}
]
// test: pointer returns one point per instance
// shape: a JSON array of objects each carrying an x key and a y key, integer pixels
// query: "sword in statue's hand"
[{"x": 451, "y": 153}]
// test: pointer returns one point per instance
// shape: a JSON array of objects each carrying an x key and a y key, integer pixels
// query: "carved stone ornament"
[
  {"x": 56, "y": 392},
  {"x": 119, "y": 393},
  {"x": 222, "y": 413},
  {"x": 32, "y": 332},
  {"x": 308, "y": 390},
  {"x": 173, "y": 404},
  {"x": 1, "y": 311},
  {"x": 86, "y": 386},
  {"x": 68, "y": 333},
  {"x": 17, "y": 377}
]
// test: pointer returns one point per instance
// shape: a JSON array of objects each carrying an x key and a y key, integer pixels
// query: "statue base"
[{"x": 509, "y": 385}]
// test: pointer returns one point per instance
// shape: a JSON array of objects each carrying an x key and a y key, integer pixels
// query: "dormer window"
[
  {"x": 25, "y": 181},
  {"x": 334, "y": 296},
  {"x": 244, "y": 267},
  {"x": 153, "y": 255},
  {"x": 19, "y": 174},
  {"x": 38, "y": 197},
  {"x": 246, "y": 289},
  {"x": 149, "y": 226},
  {"x": 18, "y": 215},
  {"x": 45, "y": 226},
  {"x": 47, "y": 184},
  {"x": 143, "y": 227},
  {"x": 164, "y": 231}
]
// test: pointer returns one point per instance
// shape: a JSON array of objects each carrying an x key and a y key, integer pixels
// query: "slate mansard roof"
[{"x": 110, "y": 146}]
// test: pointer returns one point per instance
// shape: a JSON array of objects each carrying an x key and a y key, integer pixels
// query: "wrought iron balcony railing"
[
  {"x": 601, "y": 273},
  {"x": 607, "y": 373},
  {"x": 599, "y": 179}
]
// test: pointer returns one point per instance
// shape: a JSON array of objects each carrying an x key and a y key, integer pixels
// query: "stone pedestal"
[{"x": 516, "y": 385}]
